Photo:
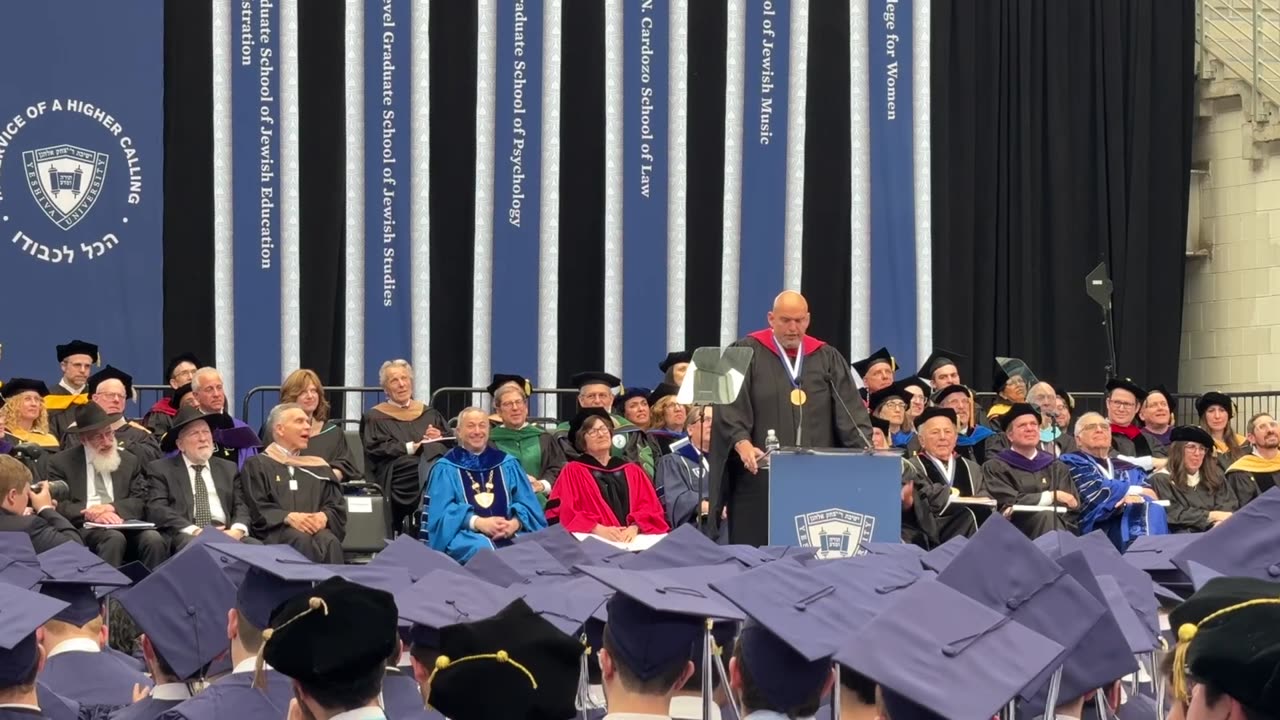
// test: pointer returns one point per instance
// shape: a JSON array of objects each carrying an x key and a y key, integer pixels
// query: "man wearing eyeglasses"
[
  {"x": 1263, "y": 464},
  {"x": 1115, "y": 495},
  {"x": 535, "y": 448},
  {"x": 110, "y": 389}
]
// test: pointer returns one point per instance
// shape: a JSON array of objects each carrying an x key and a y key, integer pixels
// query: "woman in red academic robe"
[{"x": 601, "y": 494}]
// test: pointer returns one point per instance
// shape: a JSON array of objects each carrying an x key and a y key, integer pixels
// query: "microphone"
[{"x": 870, "y": 447}]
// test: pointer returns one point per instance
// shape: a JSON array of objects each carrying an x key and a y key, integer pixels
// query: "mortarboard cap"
[
  {"x": 600, "y": 552},
  {"x": 661, "y": 391},
  {"x": 276, "y": 574},
  {"x": 24, "y": 613},
  {"x": 442, "y": 598},
  {"x": 1200, "y": 575},
  {"x": 78, "y": 347},
  {"x": 1235, "y": 649},
  {"x": 863, "y": 366},
  {"x": 1211, "y": 398},
  {"x": 1132, "y": 627},
  {"x": 1246, "y": 545},
  {"x": 918, "y": 383},
  {"x": 594, "y": 377},
  {"x": 685, "y": 546},
  {"x": 1003, "y": 570},
  {"x": 519, "y": 381},
  {"x": 179, "y": 394},
  {"x": 1155, "y": 553},
  {"x": 942, "y": 394},
  {"x": 632, "y": 393},
  {"x": 937, "y": 359},
  {"x": 182, "y": 608},
  {"x": 675, "y": 358},
  {"x": 905, "y": 552},
  {"x": 514, "y": 664},
  {"x": 897, "y": 390},
  {"x": 1016, "y": 411},
  {"x": 883, "y": 425},
  {"x": 172, "y": 366},
  {"x": 940, "y": 557},
  {"x": 387, "y": 578},
  {"x": 17, "y": 548},
  {"x": 1168, "y": 396},
  {"x": 333, "y": 631},
  {"x": 76, "y": 576},
  {"x": 17, "y": 386},
  {"x": 18, "y": 574},
  {"x": 562, "y": 545},
  {"x": 964, "y": 664},
  {"x": 581, "y": 418},
  {"x": 135, "y": 571},
  {"x": 749, "y": 555},
  {"x": 1129, "y": 385},
  {"x": 415, "y": 557},
  {"x": 515, "y": 564},
  {"x": 1193, "y": 434},
  {"x": 932, "y": 412},
  {"x": 110, "y": 372},
  {"x": 1006, "y": 368},
  {"x": 568, "y": 605},
  {"x": 1138, "y": 589}
]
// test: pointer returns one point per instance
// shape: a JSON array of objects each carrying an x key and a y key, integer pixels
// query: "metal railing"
[
  {"x": 1243, "y": 36},
  {"x": 1247, "y": 404}
]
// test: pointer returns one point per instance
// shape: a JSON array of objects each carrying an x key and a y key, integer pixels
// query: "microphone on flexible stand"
[{"x": 868, "y": 446}]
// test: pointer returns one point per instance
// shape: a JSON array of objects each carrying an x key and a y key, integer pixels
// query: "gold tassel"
[{"x": 1187, "y": 632}]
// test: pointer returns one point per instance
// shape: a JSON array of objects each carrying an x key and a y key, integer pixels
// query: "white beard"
[
  {"x": 200, "y": 457},
  {"x": 105, "y": 464}
]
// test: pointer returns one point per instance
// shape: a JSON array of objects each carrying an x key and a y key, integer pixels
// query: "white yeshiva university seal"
[
  {"x": 70, "y": 179},
  {"x": 834, "y": 532}
]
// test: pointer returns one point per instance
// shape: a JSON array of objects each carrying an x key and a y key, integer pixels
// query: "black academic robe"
[
  {"x": 132, "y": 437},
  {"x": 764, "y": 404},
  {"x": 331, "y": 445},
  {"x": 1013, "y": 481},
  {"x": 272, "y": 490},
  {"x": 389, "y": 463},
  {"x": 1263, "y": 481},
  {"x": 1189, "y": 507},
  {"x": 1157, "y": 444},
  {"x": 950, "y": 520},
  {"x": 47, "y": 529},
  {"x": 60, "y": 420},
  {"x": 1137, "y": 447}
]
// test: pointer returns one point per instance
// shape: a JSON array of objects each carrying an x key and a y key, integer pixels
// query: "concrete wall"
[{"x": 1231, "y": 308}]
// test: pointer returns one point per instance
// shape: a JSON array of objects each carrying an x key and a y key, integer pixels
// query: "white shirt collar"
[
  {"x": 72, "y": 390},
  {"x": 247, "y": 665},
  {"x": 364, "y": 713},
  {"x": 948, "y": 468},
  {"x": 171, "y": 691},
  {"x": 75, "y": 645},
  {"x": 1193, "y": 479},
  {"x": 689, "y": 707},
  {"x": 19, "y": 706}
]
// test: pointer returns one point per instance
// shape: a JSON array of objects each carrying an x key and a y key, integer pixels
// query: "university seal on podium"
[{"x": 835, "y": 533}]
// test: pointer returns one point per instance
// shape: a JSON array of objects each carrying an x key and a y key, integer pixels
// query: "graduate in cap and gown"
[
  {"x": 22, "y": 658},
  {"x": 1023, "y": 474},
  {"x": 876, "y": 371},
  {"x": 76, "y": 359},
  {"x": 178, "y": 373},
  {"x": 794, "y": 381},
  {"x": 333, "y": 642},
  {"x": 596, "y": 390},
  {"x": 77, "y": 666},
  {"x": 682, "y": 473},
  {"x": 26, "y": 420},
  {"x": 111, "y": 388},
  {"x": 294, "y": 499},
  {"x": 397, "y": 436},
  {"x": 182, "y": 611},
  {"x": 536, "y": 449},
  {"x": 600, "y": 494},
  {"x": 477, "y": 496}
]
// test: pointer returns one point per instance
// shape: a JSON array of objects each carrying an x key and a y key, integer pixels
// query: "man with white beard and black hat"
[{"x": 105, "y": 485}]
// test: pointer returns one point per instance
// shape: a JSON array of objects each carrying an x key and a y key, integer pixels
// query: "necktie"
[
  {"x": 202, "y": 514},
  {"x": 100, "y": 487}
]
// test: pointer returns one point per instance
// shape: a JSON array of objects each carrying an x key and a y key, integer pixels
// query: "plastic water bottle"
[{"x": 770, "y": 445}]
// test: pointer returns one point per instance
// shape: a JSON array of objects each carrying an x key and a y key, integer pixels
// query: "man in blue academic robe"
[
  {"x": 1115, "y": 496},
  {"x": 477, "y": 496}
]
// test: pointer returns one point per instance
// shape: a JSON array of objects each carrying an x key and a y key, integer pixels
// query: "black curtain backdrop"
[{"x": 1061, "y": 137}]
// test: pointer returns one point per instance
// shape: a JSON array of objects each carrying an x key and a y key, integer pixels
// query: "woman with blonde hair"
[
  {"x": 25, "y": 418},
  {"x": 327, "y": 440},
  {"x": 666, "y": 421}
]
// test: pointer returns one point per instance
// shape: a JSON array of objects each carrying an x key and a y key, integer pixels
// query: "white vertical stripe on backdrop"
[
  {"x": 353, "y": 239},
  {"x": 860, "y": 208},
  {"x": 223, "y": 211},
  {"x": 734, "y": 98},
  {"x": 290, "y": 212},
  {"x": 482, "y": 292},
  {"x": 797, "y": 94},
  {"x": 677, "y": 179},
  {"x": 921, "y": 21},
  {"x": 613, "y": 100},
  {"x": 420, "y": 180},
  {"x": 549, "y": 209}
]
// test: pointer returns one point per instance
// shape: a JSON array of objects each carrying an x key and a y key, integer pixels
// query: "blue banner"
[
  {"x": 646, "y": 64},
  {"x": 388, "y": 311},
  {"x": 81, "y": 168},
  {"x": 834, "y": 501},
  {"x": 517, "y": 182},
  {"x": 893, "y": 219},
  {"x": 255, "y": 198},
  {"x": 764, "y": 160}
]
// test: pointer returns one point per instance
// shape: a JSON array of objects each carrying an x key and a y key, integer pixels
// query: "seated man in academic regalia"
[
  {"x": 1023, "y": 474},
  {"x": 294, "y": 499},
  {"x": 596, "y": 390},
  {"x": 1157, "y": 418},
  {"x": 76, "y": 360},
  {"x": 182, "y": 612},
  {"x": 876, "y": 371},
  {"x": 77, "y": 667},
  {"x": 682, "y": 474},
  {"x": 1124, "y": 398},
  {"x": 178, "y": 372},
  {"x": 946, "y": 476},
  {"x": 971, "y": 441},
  {"x": 236, "y": 443},
  {"x": 536, "y": 449},
  {"x": 600, "y": 494},
  {"x": 1263, "y": 464},
  {"x": 22, "y": 658},
  {"x": 477, "y": 496},
  {"x": 397, "y": 435},
  {"x": 110, "y": 389},
  {"x": 1114, "y": 495}
]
